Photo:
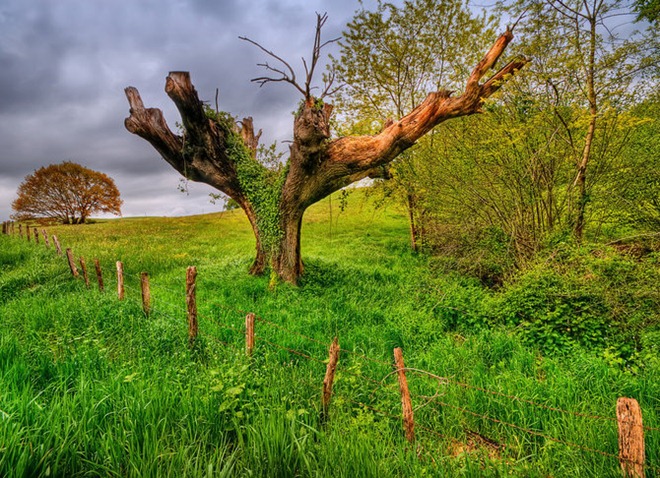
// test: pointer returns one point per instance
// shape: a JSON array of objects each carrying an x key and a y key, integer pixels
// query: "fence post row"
[
  {"x": 629, "y": 414},
  {"x": 631, "y": 437},
  {"x": 191, "y": 303},
  {"x": 146, "y": 293},
  {"x": 406, "y": 403},
  {"x": 329, "y": 379}
]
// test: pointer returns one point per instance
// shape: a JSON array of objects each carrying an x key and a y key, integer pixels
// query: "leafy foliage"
[{"x": 67, "y": 192}]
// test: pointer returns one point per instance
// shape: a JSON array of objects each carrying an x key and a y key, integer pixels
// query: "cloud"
[{"x": 66, "y": 63}]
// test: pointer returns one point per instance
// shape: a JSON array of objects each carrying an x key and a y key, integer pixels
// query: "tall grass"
[{"x": 91, "y": 387}]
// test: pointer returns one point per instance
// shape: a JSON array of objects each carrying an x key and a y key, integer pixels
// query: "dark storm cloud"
[{"x": 65, "y": 64}]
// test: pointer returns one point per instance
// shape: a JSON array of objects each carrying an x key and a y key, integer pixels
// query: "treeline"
[{"x": 568, "y": 152}]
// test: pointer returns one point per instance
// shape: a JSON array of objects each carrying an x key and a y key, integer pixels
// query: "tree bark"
[{"x": 217, "y": 152}]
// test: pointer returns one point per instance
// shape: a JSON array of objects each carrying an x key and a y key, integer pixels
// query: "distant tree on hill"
[{"x": 67, "y": 192}]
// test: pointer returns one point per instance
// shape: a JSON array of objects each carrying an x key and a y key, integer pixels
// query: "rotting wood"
[
  {"x": 72, "y": 264},
  {"x": 191, "y": 304},
  {"x": 120, "y": 280},
  {"x": 328, "y": 380},
  {"x": 58, "y": 248},
  {"x": 83, "y": 266},
  {"x": 406, "y": 403},
  {"x": 99, "y": 274},
  {"x": 631, "y": 437},
  {"x": 249, "y": 334}
]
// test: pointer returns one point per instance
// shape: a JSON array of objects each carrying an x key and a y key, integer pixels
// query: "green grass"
[{"x": 89, "y": 386}]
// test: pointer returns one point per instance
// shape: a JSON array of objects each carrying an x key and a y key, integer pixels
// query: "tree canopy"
[{"x": 67, "y": 192}]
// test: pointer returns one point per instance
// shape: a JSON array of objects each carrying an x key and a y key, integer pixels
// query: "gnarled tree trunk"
[{"x": 214, "y": 150}]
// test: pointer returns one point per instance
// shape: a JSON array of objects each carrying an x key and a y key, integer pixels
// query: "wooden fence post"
[
  {"x": 329, "y": 379},
  {"x": 20, "y": 231},
  {"x": 146, "y": 293},
  {"x": 406, "y": 404},
  {"x": 631, "y": 437},
  {"x": 27, "y": 232},
  {"x": 249, "y": 334},
  {"x": 4, "y": 227},
  {"x": 72, "y": 264},
  {"x": 13, "y": 230},
  {"x": 43, "y": 233},
  {"x": 191, "y": 303},
  {"x": 120, "y": 280},
  {"x": 99, "y": 274},
  {"x": 36, "y": 235},
  {"x": 57, "y": 245},
  {"x": 83, "y": 266}
]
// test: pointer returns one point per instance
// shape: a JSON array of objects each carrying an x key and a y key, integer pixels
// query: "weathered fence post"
[
  {"x": 27, "y": 232},
  {"x": 20, "y": 231},
  {"x": 72, "y": 264},
  {"x": 146, "y": 293},
  {"x": 406, "y": 404},
  {"x": 120, "y": 280},
  {"x": 631, "y": 437},
  {"x": 83, "y": 266},
  {"x": 36, "y": 235},
  {"x": 43, "y": 233},
  {"x": 249, "y": 334},
  {"x": 4, "y": 227},
  {"x": 191, "y": 303},
  {"x": 329, "y": 379},
  {"x": 57, "y": 245},
  {"x": 99, "y": 274},
  {"x": 13, "y": 230}
]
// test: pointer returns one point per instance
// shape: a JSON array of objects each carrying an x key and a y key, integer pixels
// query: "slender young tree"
[{"x": 215, "y": 150}]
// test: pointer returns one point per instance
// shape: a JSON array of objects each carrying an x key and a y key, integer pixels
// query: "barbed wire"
[{"x": 380, "y": 384}]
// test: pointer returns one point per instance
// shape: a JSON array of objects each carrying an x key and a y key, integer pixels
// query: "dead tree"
[{"x": 217, "y": 150}]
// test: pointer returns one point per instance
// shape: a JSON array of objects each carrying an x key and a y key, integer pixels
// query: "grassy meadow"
[{"x": 89, "y": 386}]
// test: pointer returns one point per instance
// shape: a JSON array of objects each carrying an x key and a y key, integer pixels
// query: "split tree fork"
[{"x": 216, "y": 150}]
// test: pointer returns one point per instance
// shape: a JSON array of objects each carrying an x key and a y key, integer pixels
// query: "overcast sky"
[{"x": 65, "y": 63}]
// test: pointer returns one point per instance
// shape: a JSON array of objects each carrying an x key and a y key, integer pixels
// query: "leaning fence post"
[
  {"x": 43, "y": 232},
  {"x": 36, "y": 235},
  {"x": 406, "y": 404},
  {"x": 631, "y": 437},
  {"x": 191, "y": 303},
  {"x": 99, "y": 274},
  {"x": 120, "y": 280},
  {"x": 249, "y": 334},
  {"x": 83, "y": 266},
  {"x": 329, "y": 379},
  {"x": 146, "y": 293},
  {"x": 72, "y": 264},
  {"x": 57, "y": 245}
]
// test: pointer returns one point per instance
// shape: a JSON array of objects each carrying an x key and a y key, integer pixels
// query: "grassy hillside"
[{"x": 89, "y": 386}]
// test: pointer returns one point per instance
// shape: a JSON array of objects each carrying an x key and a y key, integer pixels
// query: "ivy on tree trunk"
[{"x": 215, "y": 150}]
